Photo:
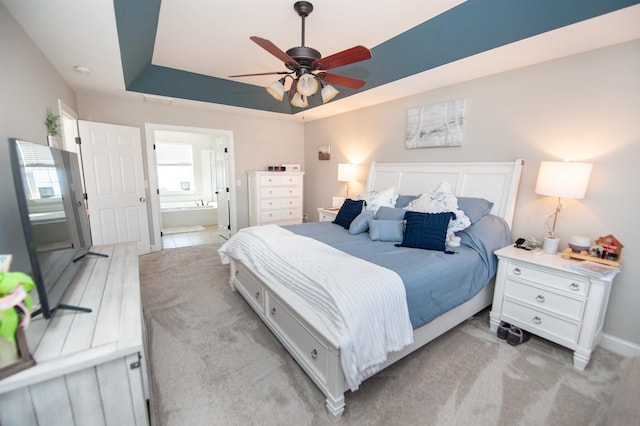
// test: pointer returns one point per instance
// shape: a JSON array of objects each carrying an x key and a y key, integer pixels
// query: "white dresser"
[
  {"x": 91, "y": 368},
  {"x": 275, "y": 197},
  {"x": 540, "y": 294}
]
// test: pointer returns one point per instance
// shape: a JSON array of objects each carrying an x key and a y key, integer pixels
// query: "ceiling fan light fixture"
[
  {"x": 328, "y": 92},
  {"x": 307, "y": 84},
  {"x": 276, "y": 89},
  {"x": 299, "y": 101}
]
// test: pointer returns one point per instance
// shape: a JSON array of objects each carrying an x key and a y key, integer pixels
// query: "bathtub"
[{"x": 187, "y": 213}]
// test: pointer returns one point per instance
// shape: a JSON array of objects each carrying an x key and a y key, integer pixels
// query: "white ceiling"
[{"x": 212, "y": 38}]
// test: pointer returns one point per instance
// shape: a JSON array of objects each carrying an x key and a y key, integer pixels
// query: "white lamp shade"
[
  {"x": 563, "y": 179},
  {"x": 346, "y": 172},
  {"x": 276, "y": 89},
  {"x": 307, "y": 85},
  {"x": 299, "y": 101},
  {"x": 328, "y": 92}
]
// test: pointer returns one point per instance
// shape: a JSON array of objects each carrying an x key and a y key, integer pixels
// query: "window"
[
  {"x": 175, "y": 167},
  {"x": 40, "y": 170}
]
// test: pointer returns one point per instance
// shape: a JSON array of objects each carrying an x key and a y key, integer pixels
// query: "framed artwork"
[
  {"x": 438, "y": 125},
  {"x": 324, "y": 152}
]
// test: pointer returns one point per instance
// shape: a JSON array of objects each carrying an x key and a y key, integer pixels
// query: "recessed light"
[{"x": 82, "y": 70}]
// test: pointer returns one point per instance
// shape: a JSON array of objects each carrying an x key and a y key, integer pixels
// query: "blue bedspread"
[{"x": 435, "y": 282}]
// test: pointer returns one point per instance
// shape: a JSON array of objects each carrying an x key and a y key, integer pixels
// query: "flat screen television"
[{"x": 50, "y": 198}]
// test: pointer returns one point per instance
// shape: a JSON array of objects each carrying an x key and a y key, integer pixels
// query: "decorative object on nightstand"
[
  {"x": 605, "y": 250},
  {"x": 347, "y": 172},
  {"x": 562, "y": 180},
  {"x": 550, "y": 297}
]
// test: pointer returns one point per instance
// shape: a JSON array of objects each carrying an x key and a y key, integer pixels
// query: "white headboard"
[{"x": 496, "y": 182}]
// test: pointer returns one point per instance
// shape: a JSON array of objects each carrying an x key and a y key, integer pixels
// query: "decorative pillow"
[
  {"x": 350, "y": 210},
  {"x": 441, "y": 200},
  {"x": 386, "y": 230},
  {"x": 426, "y": 230},
  {"x": 403, "y": 200},
  {"x": 375, "y": 199},
  {"x": 390, "y": 213},
  {"x": 474, "y": 208},
  {"x": 361, "y": 223}
]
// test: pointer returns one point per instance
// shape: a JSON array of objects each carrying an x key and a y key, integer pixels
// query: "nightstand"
[
  {"x": 327, "y": 214},
  {"x": 540, "y": 294}
]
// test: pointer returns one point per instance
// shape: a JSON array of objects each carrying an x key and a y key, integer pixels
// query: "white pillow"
[
  {"x": 375, "y": 200},
  {"x": 441, "y": 200}
]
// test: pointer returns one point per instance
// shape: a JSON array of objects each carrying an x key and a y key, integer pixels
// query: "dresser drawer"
[
  {"x": 279, "y": 191},
  {"x": 282, "y": 214},
  {"x": 279, "y": 203},
  {"x": 540, "y": 298},
  {"x": 545, "y": 325},
  {"x": 571, "y": 284},
  {"x": 274, "y": 180},
  {"x": 306, "y": 344},
  {"x": 246, "y": 284}
]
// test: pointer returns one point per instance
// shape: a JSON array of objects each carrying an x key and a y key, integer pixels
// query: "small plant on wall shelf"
[{"x": 52, "y": 123}]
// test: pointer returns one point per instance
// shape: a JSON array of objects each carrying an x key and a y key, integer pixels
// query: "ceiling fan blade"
[
  {"x": 293, "y": 89},
  {"x": 346, "y": 57},
  {"x": 275, "y": 51},
  {"x": 341, "y": 80},
  {"x": 262, "y": 73}
]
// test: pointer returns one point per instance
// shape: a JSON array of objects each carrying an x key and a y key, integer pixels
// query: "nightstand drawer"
[
  {"x": 548, "y": 326},
  {"x": 539, "y": 298},
  {"x": 564, "y": 282}
]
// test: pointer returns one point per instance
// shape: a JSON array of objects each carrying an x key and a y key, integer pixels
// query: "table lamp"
[
  {"x": 562, "y": 180},
  {"x": 346, "y": 173}
]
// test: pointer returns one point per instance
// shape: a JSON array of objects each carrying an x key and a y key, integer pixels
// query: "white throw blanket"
[{"x": 363, "y": 305}]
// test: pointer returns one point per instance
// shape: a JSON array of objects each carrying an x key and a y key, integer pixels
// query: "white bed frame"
[{"x": 300, "y": 330}]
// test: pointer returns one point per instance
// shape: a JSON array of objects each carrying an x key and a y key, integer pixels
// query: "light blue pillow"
[
  {"x": 386, "y": 230},
  {"x": 474, "y": 208},
  {"x": 361, "y": 223},
  {"x": 403, "y": 200},
  {"x": 390, "y": 213}
]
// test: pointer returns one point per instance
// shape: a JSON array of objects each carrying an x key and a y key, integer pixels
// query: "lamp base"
[{"x": 550, "y": 245}]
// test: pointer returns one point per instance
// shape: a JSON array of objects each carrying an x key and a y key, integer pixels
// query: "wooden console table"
[{"x": 90, "y": 368}]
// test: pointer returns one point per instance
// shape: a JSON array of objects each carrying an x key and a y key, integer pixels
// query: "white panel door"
[
  {"x": 112, "y": 157},
  {"x": 223, "y": 187}
]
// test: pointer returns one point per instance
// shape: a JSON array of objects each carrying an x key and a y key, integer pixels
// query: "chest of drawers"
[
  {"x": 275, "y": 197},
  {"x": 541, "y": 294}
]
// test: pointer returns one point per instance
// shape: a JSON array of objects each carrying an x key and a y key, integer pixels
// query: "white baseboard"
[{"x": 620, "y": 346}]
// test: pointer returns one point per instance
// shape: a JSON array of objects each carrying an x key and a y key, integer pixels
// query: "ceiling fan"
[{"x": 307, "y": 67}]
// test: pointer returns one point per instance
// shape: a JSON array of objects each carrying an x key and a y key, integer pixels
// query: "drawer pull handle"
[
  {"x": 540, "y": 298},
  {"x": 517, "y": 271},
  {"x": 269, "y": 180},
  {"x": 314, "y": 354},
  {"x": 237, "y": 272},
  {"x": 270, "y": 192},
  {"x": 574, "y": 287},
  {"x": 273, "y": 311},
  {"x": 257, "y": 295},
  {"x": 537, "y": 320}
]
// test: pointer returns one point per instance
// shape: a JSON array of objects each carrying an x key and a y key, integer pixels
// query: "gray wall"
[
  {"x": 29, "y": 85},
  {"x": 581, "y": 108}
]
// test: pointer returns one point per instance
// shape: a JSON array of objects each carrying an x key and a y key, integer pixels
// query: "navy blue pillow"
[
  {"x": 426, "y": 230},
  {"x": 350, "y": 210}
]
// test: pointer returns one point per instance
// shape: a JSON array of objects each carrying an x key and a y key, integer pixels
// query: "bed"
[{"x": 287, "y": 288}]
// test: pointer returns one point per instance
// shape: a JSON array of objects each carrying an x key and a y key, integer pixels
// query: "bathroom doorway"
[{"x": 189, "y": 174}]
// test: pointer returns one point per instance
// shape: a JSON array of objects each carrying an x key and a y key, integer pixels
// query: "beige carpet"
[{"x": 213, "y": 362}]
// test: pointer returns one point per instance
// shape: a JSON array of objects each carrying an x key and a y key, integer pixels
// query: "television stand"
[
  {"x": 92, "y": 253},
  {"x": 71, "y": 308}
]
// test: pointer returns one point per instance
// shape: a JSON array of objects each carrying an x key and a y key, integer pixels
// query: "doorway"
[{"x": 189, "y": 174}]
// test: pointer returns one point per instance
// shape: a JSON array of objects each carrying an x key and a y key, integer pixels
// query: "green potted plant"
[{"x": 52, "y": 123}]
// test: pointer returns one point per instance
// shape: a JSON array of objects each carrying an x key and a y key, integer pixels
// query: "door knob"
[{"x": 142, "y": 199}]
